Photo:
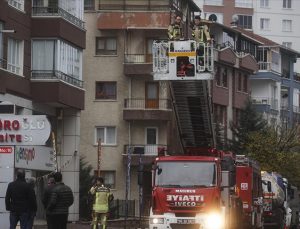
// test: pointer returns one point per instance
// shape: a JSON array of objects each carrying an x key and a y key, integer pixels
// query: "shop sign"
[
  {"x": 34, "y": 158},
  {"x": 24, "y": 129},
  {"x": 6, "y": 157},
  {"x": 6, "y": 149}
]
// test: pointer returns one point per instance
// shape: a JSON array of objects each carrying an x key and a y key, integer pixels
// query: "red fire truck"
[{"x": 197, "y": 189}]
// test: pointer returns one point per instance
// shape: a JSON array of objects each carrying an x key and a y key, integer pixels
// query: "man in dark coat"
[
  {"x": 18, "y": 200},
  {"x": 57, "y": 202}
]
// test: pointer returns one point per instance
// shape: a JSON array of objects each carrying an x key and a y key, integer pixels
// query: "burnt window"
[{"x": 106, "y": 90}]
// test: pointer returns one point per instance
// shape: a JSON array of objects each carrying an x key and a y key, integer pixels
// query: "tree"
[
  {"x": 85, "y": 181},
  {"x": 249, "y": 121}
]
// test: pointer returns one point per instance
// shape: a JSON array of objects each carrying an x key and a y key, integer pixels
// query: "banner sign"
[{"x": 24, "y": 129}]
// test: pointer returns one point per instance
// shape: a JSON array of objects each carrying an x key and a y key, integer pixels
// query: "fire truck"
[{"x": 197, "y": 189}]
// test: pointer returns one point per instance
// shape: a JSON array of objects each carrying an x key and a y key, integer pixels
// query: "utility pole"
[{"x": 99, "y": 156}]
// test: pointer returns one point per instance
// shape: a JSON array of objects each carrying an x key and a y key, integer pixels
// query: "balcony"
[
  {"x": 57, "y": 12},
  {"x": 214, "y": 2},
  {"x": 57, "y": 88},
  {"x": 244, "y": 3},
  {"x": 265, "y": 104},
  {"x": 296, "y": 109},
  {"x": 56, "y": 75},
  {"x": 147, "y": 153},
  {"x": 134, "y": 5},
  {"x": 137, "y": 64},
  {"x": 147, "y": 109}
]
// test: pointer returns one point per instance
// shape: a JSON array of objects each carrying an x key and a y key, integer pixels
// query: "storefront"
[{"x": 23, "y": 145}]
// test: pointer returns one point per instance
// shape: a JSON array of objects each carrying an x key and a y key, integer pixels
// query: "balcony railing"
[
  {"x": 273, "y": 103},
  {"x": 296, "y": 109},
  {"x": 137, "y": 58},
  {"x": 148, "y": 104},
  {"x": 57, "y": 11},
  {"x": 3, "y": 64},
  {"x": 265, "y": 66},
  {"x": 135, "y": 5},
  {"x": 213, "y": 2},
  {"x": 58, "y": 75},
  {"x": 244, "y": 3},
  {"x": 147, "y": 150}
]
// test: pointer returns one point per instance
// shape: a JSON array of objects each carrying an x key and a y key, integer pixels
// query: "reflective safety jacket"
[
  {"x": 102, "y": 197},
  {"x": 175, "y": 32},
  {"x": 201, "y": 33}
]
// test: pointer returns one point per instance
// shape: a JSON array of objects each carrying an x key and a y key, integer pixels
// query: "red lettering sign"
[{"x": 6, "y": 149}]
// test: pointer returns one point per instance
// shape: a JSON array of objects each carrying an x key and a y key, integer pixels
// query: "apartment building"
[
  {"x": 132, "y": 114},
  {"x": 274, "y": 20},
  {"x": 41, "y": 46}
]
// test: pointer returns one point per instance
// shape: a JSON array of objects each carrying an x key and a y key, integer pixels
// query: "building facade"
[
  {"x": 277, "y": 55},
  {"x": 41, "y": 46},
  {"x": 130, "y": 113},
  {"x": 275, "y": 20}
]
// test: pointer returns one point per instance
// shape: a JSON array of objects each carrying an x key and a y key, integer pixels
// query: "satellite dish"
[
  {"x": 213, "y": 17},
  {"x": 235, "y": 18}
]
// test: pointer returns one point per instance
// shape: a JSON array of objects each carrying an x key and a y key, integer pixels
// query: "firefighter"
[
  {"x": 200, "y": 32},
  {"x": 175, "y": 31},
  {"x": 102, "y": 198}
]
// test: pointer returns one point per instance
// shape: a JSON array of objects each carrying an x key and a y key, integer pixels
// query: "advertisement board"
[
  {"x": 34, "y": 158},
  {"x": 24, "y": 129}
]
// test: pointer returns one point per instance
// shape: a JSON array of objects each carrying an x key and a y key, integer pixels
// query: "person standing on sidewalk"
[
  {"x": 102, "y": 197},
  {"x": 57, "y": 199},
  {"x": 33, "y": 206},
  {"x": 18, "y": 199}
]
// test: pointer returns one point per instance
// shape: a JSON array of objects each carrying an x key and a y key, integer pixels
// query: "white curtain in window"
[
  {"x": 14, "y": 55},
  {"x": 110, "y": 135},
  {"x": 111, "y": 44},
  {"x": 69, "y": 60},
  {"x": 100, "y": 134},
  {"x": 43, "y": 54}
]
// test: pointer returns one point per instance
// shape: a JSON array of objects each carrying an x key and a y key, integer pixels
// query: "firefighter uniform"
[
  {"x": 102, "y": 197},
  {"x": 175, "y": 32},
  {"x": 201, "y": 33}
]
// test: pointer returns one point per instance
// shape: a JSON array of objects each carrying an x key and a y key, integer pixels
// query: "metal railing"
[
  {"x": 57, "y": 11},
  {"x": 273, "y": 103},
  {"x": 138, "y": 5},
  {"x": 296, "y": 109},
  {"x": 150, "y": 150},
  {"x": 148, "y": 104},
  {"x": 137, "y": 58},
  {"x": 213, "y": 2},
  {"x": 117, "y": 209},
  {"x": 3, "y": 64},
  {"x": 265, "y": 66},
  {"x": 54, "y": 74},
  {"x": 244, "y": 3}
]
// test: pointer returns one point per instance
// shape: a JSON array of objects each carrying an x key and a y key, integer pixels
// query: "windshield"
[{"x": 185, "y": 174}]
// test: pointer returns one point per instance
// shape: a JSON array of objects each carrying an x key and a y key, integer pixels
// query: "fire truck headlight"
[
  {"x": 214, "y": 221},
  {"x": 157, "y": 221}
]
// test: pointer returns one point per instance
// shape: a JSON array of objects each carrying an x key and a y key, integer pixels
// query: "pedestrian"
[
  {"x": 57, "y": 199},
  {"x": 175, "y": 31},
  {"x": 32, "y": 206},
  {"x": 200, "y": 31},
  {"x": 18, "y": 199},
  {"x": 102, "y": 198}
]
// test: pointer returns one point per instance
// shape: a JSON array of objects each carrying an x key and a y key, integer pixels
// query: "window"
[
  {"x": 287, "y": 25},
  {"x": 1, "y": 41},
  {"x": 213, "y": 2},
  {"x": 89, "y": 4},
  {"x": 109, "y": 178},
  {"x": 287, "y": 44},
  {"x": 243, "y": 3},
  {"x": 106, "y": 134},
  {"x": 221, "y": 77},
  {"x": 19, "y": 4},
  {"x": 106, "y": 90},
  {"x": 245, "y": 83},
  {"x": 57, "y": 55},
  {"x": 106, "y": 46},
  {"x": 15, "y": 56},
  {"x": 287, "y": 4},
  {"x": 239, "y": 82},
  {"x": 264, "y": 3},
  {"x": 245, "y": 21},
  {"x": 264, "y": 23}
]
